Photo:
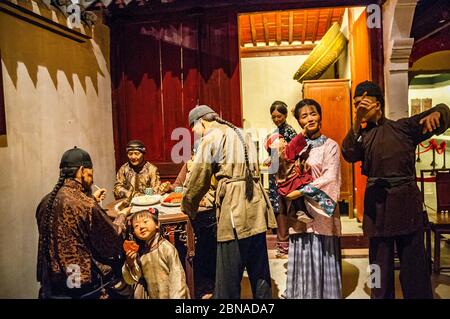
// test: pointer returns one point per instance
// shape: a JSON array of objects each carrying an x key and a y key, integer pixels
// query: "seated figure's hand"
[
  {"x": 267, "y": 162},
  {"x": 99, "y": 194},
  {"x": 164, "y": 188},
  {"x": 125, "y": 211},
  {"x": 129, "y": 194}
]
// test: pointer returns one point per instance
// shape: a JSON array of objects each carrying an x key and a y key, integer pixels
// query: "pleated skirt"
[{"x": 314, "y": 267}]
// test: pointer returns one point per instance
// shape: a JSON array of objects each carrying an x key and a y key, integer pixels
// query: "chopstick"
[{"x": 101, "y": 202}]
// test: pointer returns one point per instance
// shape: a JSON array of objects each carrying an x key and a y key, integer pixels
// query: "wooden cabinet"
[{"x": 334, "y": 98}]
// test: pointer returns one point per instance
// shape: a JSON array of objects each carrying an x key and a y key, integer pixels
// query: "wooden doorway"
[
  {"x": 364, "y": 62},
  {"x": 283, "y": 36}
]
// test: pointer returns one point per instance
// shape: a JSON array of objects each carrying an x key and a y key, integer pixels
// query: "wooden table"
[{"x": 172, "y": 221}]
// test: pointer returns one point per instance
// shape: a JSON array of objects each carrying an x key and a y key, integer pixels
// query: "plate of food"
[
  {"x": 172, "y": 200},
  {"x": 145, "y": 200}
]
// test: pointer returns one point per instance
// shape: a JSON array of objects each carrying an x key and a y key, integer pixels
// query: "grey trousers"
[{"x": 236, "y": 255}]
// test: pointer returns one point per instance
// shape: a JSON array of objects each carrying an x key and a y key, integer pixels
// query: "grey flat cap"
[{"x": 198, "y": 112}]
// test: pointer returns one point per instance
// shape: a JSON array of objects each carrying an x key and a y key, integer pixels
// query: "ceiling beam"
[
  {"x": 330, "y": 15},
  {"x": 305, "y": 20},
  {"x": 278, "y": 28},
  {"x": 241, "y": 30},
  {"x": 316, "y": 27},
  {"x": 265, "y": 51},
  {"x": 341, "y": 17},
  {"x": 266, "y": 29},
  {"x": 252, "y": 29},
  {"x": 291, "y": 26}
]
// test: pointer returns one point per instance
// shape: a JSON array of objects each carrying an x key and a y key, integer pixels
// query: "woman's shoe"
[{"x": 282, "y": 249}]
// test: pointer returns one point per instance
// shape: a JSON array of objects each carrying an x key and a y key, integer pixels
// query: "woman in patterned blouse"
[{"x": 279, "y": 111}]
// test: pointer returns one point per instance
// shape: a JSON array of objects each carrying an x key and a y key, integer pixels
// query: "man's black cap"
[{"x": 75, "y": 157}]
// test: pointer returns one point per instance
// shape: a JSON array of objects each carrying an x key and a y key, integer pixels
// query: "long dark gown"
[{"x": 393, "y": 210}]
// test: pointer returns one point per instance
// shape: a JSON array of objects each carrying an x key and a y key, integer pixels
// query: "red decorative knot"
[
  {"x": 441, "y": 148},
  {"x": 432, "y": 145}
]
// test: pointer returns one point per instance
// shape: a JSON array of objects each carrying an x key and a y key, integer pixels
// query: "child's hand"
[
  {"x": 305, "y": 167},
  {"x": 131, "y": 258},
  {"x": 267, "y": 162}
]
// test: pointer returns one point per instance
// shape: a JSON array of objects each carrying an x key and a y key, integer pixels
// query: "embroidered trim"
[
  {"x": 317, "y": 142},
  {"x": 325, "y": 202}
]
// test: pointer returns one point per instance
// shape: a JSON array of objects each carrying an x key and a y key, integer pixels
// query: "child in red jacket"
[{"x": 292, "y": 173}]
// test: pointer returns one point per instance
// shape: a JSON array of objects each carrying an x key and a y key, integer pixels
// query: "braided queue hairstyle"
[
  {"x": 248, "y": 173},
  {"x": 49, "y": 215}
]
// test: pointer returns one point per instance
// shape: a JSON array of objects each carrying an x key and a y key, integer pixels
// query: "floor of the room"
[{"x": 354, "y": 271}]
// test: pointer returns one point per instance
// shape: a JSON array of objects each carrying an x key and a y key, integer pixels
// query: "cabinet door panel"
[{"x": 334, "y": 98}]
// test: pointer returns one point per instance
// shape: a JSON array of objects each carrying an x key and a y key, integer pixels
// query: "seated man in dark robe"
[{"x": 80, "y": 248}]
